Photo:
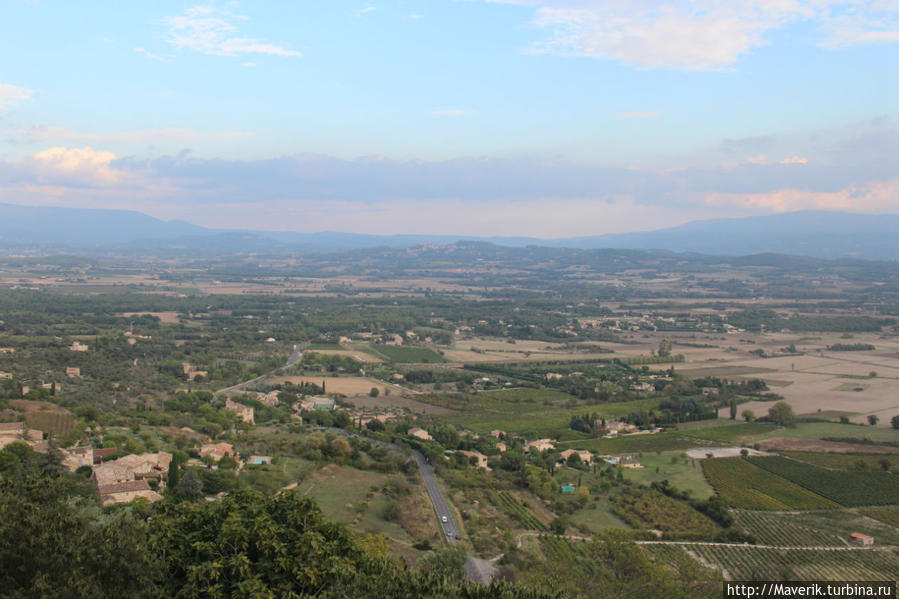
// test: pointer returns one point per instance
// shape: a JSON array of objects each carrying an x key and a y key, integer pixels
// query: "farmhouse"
[
  {"x": 217, "y": 450},
  {"x": 420, "y": 433},
  {"x": 497, "y": 434},
  {"x": 78, "y": 346},
  {"x": 585, "y": 456},
  {"x": 474, "y": 455},
  {"x": 245, "y": 413},
  {"x": 191, "y": 372},
  {"x": 73, "y": 372},
  {"x": 269, "y": 399},
  {"x": 858, "y": 538},
  {"x": 125, "y": 492},
  {"x": 501, "y": 447},
  {"x": 540, "y": 445},
  {"x": 133, "y": 467},
  {"x": 5, "y": 375}
]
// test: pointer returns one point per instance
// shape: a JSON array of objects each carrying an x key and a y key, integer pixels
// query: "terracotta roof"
[{"x": 125, "y": 487}]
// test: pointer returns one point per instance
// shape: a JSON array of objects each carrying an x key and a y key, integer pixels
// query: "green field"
[
  {"x": 323, "y": 346},
  {"x": 821, "y": 430},
  {"x": 743, "y": 485},
  {"x": 647, "y": 509},
  {"x": 399, "y": 353},
  {"x": 543, "y": 421},
  {"x": 682, "y": 472},
  {"x": 847, "y": 487},
  {"x": 597, "y": 516},
  {"x": 658, "y": 442},
  {"x": 729, "y": 433}
]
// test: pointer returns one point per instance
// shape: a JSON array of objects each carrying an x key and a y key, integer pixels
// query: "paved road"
[
  {"x": 441, "y": 505},
  {"x": 295, "y": 357}
]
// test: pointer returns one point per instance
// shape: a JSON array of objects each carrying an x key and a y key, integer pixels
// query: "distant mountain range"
[{"x": 809, "y": 233}]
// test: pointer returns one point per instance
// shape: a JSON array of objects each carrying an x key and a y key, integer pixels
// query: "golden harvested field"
[
  {"x": 816, "y": 379},
  {"x": 349, "y": 386}
]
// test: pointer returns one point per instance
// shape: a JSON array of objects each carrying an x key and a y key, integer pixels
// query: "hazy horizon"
[{"x": 539, "y": 118}]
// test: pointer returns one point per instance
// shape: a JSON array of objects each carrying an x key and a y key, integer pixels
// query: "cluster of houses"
[
  {"x": 536, "y": 446},
  {"x": 127, "y": 478}
]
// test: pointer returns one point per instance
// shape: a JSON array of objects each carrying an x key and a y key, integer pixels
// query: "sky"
[{"x": 546, "y": 118}]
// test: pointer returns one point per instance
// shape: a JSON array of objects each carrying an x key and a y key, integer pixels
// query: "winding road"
[{"x": 293, "y": 359}]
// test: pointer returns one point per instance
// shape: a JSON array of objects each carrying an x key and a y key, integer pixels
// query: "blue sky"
[{"x": 534, "y": 117}]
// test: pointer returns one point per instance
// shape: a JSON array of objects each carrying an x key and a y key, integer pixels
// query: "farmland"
[
  {"x": 849, "y": 488},
  {"x": 817, "y": 528},
  {"x": 742, "y": 484},
  {"x": 648, "y": 509},
  {"x": 399, "y": 353},
  {"x": 741, "y": 562}
]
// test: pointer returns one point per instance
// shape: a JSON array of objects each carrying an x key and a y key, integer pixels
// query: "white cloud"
[
  {"x": 10, "y": 95},
  {"x": 451, "y": 112},
  {"x": 151, "y": 55},
  {"x": 61, "y": 134},
  {"x": 758, "y": 159},
  {"x": 707, "y": 35},
  {"x": 211, "y": 31},
  {"x": 83, "y": 165},
  {"x": 638, "y": 114},
  {"x": 876, "y": 196},
  {"x": 416, "y": 17},
  {"x": 795, "y": 160},
  {"x": 363, "y": 11}
]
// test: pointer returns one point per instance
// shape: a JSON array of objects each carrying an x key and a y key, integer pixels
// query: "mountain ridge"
[{"x": 820, "y": 234}]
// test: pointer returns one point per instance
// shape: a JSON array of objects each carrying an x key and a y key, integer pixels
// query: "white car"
[{"x": 443, "y": 519}]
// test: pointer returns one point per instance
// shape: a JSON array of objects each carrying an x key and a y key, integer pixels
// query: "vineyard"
[
  {"x": 648, "y": 509},
  {"x": 847, "y": 487},
  {"x": 744, "y": 562},
  {"x": 572, "y": 556},
  {"x": 783, "y": 530},
  {"x": 517, "y": 511},
  {"x": 890, "y": 515},
  {"x": 743, "y": 485}
]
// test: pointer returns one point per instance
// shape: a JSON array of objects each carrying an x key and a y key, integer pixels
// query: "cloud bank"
[{"x": 853, "y": 168}]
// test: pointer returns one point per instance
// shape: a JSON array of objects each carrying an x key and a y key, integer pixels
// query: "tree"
[
  {"x": 733, "y": 408},
  {"x": 782, "y": 414},
  {"x": 748, "y": 415},
  {"x": 664, "y": 348},
  {"x": 894, "y": 421},
  {"x": 873, "y": 419},
  {"x": 374, "y": 392},
  {"x": 248, "y": 545},
  {"x": 53, "y": 548}
]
